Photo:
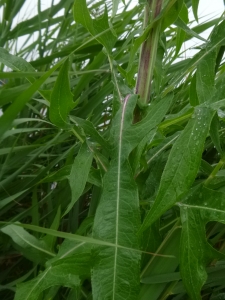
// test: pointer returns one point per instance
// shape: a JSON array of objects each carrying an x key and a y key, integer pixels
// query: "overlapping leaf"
[
  {"x": 201, "y": 206},
  {"x": 182, "y": 165}
]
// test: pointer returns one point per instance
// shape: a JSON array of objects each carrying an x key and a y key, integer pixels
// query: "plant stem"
[
  {"x": 148, "y": 51},
  {"x": 215, "y": 170}
]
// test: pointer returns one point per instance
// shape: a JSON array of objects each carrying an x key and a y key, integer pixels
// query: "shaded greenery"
[{"x": 112, "y": 152}]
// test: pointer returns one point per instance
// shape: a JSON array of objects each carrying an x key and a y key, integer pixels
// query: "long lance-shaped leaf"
[
  {"x": 182, "y": 165},
  {"x": 61, "y": 99},
  {"x": 202, "y": 206},
  {"x": 79, "y": 174},
  {"x": 116, "y": 271}
]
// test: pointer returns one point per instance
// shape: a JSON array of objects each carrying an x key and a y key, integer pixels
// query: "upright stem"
[{"x": 148, "y": 51}]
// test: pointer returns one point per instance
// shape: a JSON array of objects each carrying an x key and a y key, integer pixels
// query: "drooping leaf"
[
  {"x": 200, "y": 207},
  {"x": 79, "y": 174},
  {"x": 32, "y": 248},
  {"x": 182, "y": 165},
  {"x": 61, "y": 99}
]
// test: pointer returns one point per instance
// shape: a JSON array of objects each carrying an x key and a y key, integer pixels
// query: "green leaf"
[
  {"x": 98, "y": 28},
  {"x": 133, "y": 134},
  {"x": 11, "y": 113},
  {"x": 182, "y": 165},
  {"x": 115, "y": 7},
  {"x": 32, "y": 248},
  {"x": 181, "y": 34},
  {"x": 63, "y": 272},
  {"x": 90, "y": 130},
  {"x": 117, "y": 217},
  {"x": 172, "y": 14},
  {"x": 117, "y": 221},
  {"x": 61, "y": 99},
  {"x": 195, "y": 4},
  {"x": 193, "y": 92},
  {"x": 49, "y": 239},
  {"x": 181, "y": 24},
  {"x": 200, "y": 207},
  {"x": 205, "y": 77},
  {"x": 14, "y": 62},
  {"x": 79, "y": 174}
]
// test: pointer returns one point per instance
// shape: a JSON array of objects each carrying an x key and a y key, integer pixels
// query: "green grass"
[{"x": 112, "y": 152}]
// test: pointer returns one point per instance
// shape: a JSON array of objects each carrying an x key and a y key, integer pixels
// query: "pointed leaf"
[
  {"x": 195, "y": 4},
  {"x": 79, "y": 174},
  {"x": 182, "y": 165},
  {"x": 61, "y": 99}
]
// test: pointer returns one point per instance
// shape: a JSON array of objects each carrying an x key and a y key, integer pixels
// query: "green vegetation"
[{"x": 112, "y": 180}]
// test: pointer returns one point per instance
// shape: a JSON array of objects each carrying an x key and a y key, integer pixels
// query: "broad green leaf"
[
  {"x": 79, "y": 174},
  {"x": 205, "y": 77},
  {"x": 195, "y": 4},
  {"x": 32, "y": 248},
  {"x": 200, "y": 207},
  {"x": 11, "y": 113},
  {"x": 61, "y": 99},
  {"x": 182, "y": 165},
  {"x": 117, "y": 221},
  {"x": 117, "y": 217},
  {"x": 98, "y": 28},
  {"x": 14, "y": 62}
]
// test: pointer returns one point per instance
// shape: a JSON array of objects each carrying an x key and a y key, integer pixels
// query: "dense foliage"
[{"x": 112, "y": 152}]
